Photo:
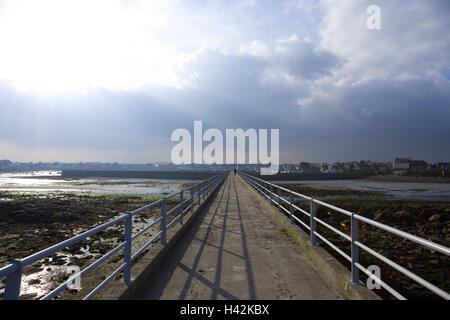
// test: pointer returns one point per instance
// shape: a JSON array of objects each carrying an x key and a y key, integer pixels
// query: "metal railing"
[
  {"x": 267, "y": 190},
  {"x": 196, "y": 194}
]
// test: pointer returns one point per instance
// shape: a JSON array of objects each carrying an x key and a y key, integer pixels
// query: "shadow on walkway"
[{"x": 215, "y": 217}]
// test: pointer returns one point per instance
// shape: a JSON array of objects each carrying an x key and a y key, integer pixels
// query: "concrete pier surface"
[{"x": 235, "y": 250}]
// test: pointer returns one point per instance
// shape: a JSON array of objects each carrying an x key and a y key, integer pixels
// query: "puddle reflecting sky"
[
  {"x": 50, "y": 181},
  {"x": 394, "y": 190}
]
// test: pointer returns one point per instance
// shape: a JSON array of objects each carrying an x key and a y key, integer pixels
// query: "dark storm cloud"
[
  {"x": 377, "y": 120},
  {"x": 305, "y": 60}
]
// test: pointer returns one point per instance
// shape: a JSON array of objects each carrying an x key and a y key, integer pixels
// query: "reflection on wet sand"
[
  {"x": 37, "y": 212},
  {"x": 52, "y": 183}
]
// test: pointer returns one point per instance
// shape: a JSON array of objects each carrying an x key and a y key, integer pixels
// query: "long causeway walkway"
[{"x": 234, "y": 250}]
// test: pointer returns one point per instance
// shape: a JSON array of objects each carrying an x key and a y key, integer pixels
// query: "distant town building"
[
  {"x": 417, "y": 166},
  {"x": 324, "y": 168},
  {"x": 401, "y": 165},
  {"x": 336, "y": 168},
  {"x": 444, "y": 165}
]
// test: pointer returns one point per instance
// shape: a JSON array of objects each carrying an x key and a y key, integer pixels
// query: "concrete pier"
[{"x": 235, "y": 250}]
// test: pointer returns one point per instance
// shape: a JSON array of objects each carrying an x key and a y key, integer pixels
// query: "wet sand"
[{"x": 34, "y": 221}]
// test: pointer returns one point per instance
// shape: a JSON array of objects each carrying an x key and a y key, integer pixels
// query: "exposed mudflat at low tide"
[
  {"x": 425, "y": 191},
  {"x": 39, "y": 211},
  {"x": 53, "y": 182},
  {"x": 42, "y": 209}
]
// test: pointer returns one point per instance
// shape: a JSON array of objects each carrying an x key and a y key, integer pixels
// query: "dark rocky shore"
[
  {"x": 429, "y": 220},
  {"x": 33, "y": 222}
]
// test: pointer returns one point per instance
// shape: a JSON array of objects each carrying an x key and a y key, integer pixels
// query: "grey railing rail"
[
  {"x": 195, "y": 195},
  {"x": 267, "y": 190}
]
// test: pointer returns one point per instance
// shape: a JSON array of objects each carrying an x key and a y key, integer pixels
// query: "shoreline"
[
  {"x": 411, "y": 179},
  {"x": 350, "y": 176}
]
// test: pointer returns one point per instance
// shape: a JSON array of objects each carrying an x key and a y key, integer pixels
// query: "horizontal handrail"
[
  {"x": 57, "y": 247},
  {"x": 330, "y": 206},
  {"x": 173, "y": 209},
  {"x": 279, "y": 187},
  {"x": 137, "y": 235},
  {"x": 197, "y": 192},
  {"x": 406, "y": 272},
  {"x": 381, "y": 282},
  {"x": 7, "y": 270},
  {"x": 106, "y": 281},
  {"x": 326, "y": 225},
  {"x": 149, "y": 206},
  {"x": 82, "y": 273},
  {"x": 263, "y": 187},
  {"x": 413, "y": 238},
  {"x": 155, "y": 237},
  {"x": 342, "y": 253}
]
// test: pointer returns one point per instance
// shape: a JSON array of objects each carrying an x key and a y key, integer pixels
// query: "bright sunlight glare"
[{"x": 50, "y": 46}]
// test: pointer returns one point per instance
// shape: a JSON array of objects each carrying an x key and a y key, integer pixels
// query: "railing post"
[
  {"x": 203, "y": 191},
  {"x": 163, "y": 222},
  {"x": 198, "y": 193},
  {"x": 192, "y": 200},
  {"x": 312, "y": 222},
  {"x": 13, "y": 281},
  {"x": 355, "y": 250},
  {"x": 279, "y": 201},
  {"x": 291, "y": 208},
  {"x": 127, "y": 249},
  {"x": 181, "y": 206},
  {"x": 271, "y": 195}
]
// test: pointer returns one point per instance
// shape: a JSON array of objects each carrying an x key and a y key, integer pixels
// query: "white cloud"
[
  {"x": 411, "y": 36},
  {"x": 410, "y": 45},
  {"x": 291, "y": 61},
  {"x": 255, "y": 48},
  {"x": 246, "y": 3}
]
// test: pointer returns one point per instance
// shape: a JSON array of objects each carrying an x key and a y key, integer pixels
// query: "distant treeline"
[
  {"x": 312, "y": 176},
  {"x": 188, "y": 175}
]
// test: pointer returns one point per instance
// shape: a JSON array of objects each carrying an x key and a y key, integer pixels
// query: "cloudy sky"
[{"x": 110, "y": 80}]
